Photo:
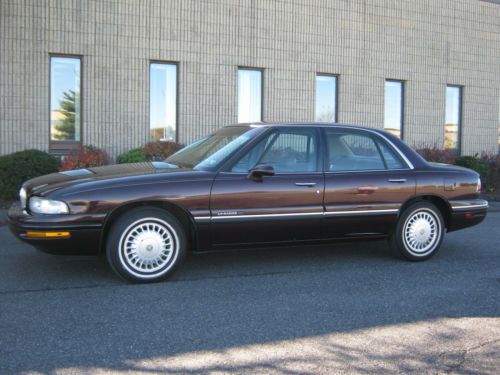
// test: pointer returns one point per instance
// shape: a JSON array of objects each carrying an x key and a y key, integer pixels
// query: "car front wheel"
[
  {"x": 146, "y": 245},
  {"x": 419, "y": 232}
]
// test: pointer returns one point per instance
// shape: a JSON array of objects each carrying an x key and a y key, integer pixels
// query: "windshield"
[{"x": 208, "y": 153}]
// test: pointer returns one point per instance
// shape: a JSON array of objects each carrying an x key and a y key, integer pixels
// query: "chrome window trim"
[
  {"x": 391, "y": 144},
  {"x": 276, "y": 130},
  {"x": 276, "y": 174},
  {"x": 319, "y": 173},
  {"x": 368, "y": 170}
]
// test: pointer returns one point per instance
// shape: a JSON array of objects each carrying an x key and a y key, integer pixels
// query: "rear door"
[
  {"x": 284, "y": 207},
  {"x": 366, "y": 182}
]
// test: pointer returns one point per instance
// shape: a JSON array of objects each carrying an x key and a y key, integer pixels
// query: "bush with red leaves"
[
  {"x": 437, "y": 155},
  {"x": 160, "y": 150},
  {"x": 492, "y": 182},
  {"x": 85, "y": 157}
]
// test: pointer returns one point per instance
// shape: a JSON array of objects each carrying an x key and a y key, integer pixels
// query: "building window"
[
  {"x": 453, "y": 117},
  {"x": 326, "y": 98},
  {"x": 394, "y": 107},
  {"x": 163, "y": 101},
  {"x": 249, "y": 95},
  {"x": 65, "y": 100}
]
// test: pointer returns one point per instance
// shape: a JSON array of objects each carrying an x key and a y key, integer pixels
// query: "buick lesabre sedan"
[{"x": 250, "y": 185}]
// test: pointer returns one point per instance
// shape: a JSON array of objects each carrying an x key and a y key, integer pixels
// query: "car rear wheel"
[
  {"x": 419, "y": 232},
  {"x": 146, "y": 245}
]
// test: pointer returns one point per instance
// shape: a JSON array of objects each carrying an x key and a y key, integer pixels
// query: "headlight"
[
  {"x": 47, "y": 206},
  {"x": 22, "y": 197}
]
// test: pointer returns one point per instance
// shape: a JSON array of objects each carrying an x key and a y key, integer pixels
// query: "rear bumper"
[
  {"x": 84, "y": 231},
  {"x": 466, "y": 213}
]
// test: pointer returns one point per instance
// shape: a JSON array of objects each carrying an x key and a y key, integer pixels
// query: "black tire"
[
  {"x": 146, "y": 245},
  {"x": 419, "y": 232}
]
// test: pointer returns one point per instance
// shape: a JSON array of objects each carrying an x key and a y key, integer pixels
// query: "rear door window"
[{"x": 352, "y": 151}]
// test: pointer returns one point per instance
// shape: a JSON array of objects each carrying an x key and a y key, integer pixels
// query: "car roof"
[
  {"x": 410, "y": 156},
  {"x": 312, "y": 123}
]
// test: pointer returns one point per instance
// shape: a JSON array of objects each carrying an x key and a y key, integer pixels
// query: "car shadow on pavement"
[{"x": 284, "y": 310}]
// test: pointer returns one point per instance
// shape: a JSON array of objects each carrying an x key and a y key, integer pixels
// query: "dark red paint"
[{"x": 224, "y": 209}]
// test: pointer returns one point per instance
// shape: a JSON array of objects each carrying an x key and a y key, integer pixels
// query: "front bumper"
[
  {"x": 466, "y": 213},
  {"x": 85, "y": 231}
]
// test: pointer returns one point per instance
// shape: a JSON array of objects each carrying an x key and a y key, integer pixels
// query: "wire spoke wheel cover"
[
  {"x": 148, "y": 247},
  {"x": 421, "y": 232}
]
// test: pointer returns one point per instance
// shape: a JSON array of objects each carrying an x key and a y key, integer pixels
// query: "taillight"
[{"x": 478, "y": 189}]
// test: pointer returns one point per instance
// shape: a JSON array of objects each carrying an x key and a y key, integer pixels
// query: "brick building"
[{"x": 118, "y": 73}]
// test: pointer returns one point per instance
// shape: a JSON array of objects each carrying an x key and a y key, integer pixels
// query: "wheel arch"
[
  {"x": 181, "y": 214},
  {"x": 440, "y": 202}
]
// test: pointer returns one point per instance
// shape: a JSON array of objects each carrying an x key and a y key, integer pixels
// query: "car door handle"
[
  {"x": 308, "y": 184},
  {"x": 397, "y": 180}
]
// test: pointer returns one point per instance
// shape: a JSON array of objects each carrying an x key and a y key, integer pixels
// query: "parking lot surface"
[{"x": 349, "y": 308}]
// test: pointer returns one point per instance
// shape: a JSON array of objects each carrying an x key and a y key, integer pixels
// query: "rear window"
[{"x": 355, "y": 151}]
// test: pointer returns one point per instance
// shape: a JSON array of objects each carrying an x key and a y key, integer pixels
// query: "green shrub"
[
  {"x": 476, "y": 164},
  {"x": 21, "y": 166},
  {"x": 152, "y": 151},
  {"x": 136, "y": 155}
]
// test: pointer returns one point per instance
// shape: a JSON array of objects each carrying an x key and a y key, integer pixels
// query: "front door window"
[{"x": 287, "y": 151}]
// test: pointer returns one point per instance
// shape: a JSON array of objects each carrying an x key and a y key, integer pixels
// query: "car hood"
[{"x": 54, "y": 181}]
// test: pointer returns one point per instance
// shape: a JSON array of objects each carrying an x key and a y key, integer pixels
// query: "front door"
[
  {"x": 282, "y": 207},
  {"x": 366, "y": 182}
]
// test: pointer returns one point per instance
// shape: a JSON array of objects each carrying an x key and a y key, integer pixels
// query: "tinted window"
[
  {"x": 249, "y": 95},
  {"x": 326, "y": 98},
  {"x": 391, "y": 160},
  {"x": 453, "y": 117},
  {"x": 352, "y": 152},
  {"x": 287, "y": 151},
  {"x": 163, "y": 101},
  {"x": 208, "y": 153},
  {"x": 65, "y": 102},
  {"x": 393, "y": 107}
]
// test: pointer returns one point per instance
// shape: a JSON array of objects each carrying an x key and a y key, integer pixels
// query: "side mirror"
[{"x": 257, "y": 172}]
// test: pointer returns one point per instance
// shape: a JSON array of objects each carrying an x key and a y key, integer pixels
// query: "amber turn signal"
[{"x": 47, "y": 234}]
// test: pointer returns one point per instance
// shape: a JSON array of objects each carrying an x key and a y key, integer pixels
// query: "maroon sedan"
[{"x": 250, "y": 185}]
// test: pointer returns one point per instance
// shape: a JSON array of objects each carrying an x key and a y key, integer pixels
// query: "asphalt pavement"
[{"x": 344, "y": 308}]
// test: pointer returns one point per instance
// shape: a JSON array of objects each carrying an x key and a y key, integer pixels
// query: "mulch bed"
[{"x": 4, "y": 205}]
